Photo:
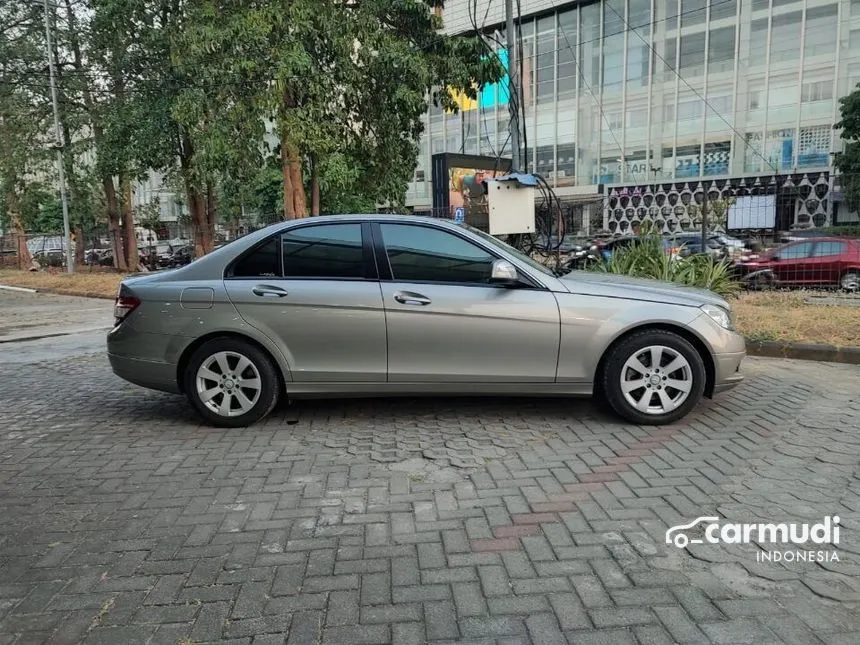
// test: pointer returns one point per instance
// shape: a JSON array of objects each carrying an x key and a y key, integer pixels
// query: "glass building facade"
[{"x": 629, "y": 92}]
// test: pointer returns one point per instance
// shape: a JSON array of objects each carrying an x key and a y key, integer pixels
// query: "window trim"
[
  {"x": 371, "y": 273},
  {"x": 386, "y": 274}
]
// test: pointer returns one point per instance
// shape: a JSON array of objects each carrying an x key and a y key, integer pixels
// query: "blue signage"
[{"x": 460, "y": 214}]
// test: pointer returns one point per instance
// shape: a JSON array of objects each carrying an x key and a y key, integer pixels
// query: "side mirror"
[{"x": 504, "y": 273}]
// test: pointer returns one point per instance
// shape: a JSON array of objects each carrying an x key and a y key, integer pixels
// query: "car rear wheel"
[
  {"x": 231, "y": 382},
  {"x": 653, "y": 377},
  {"x": 850, "y": 281}
]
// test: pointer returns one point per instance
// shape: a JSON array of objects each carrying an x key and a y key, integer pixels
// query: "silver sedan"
[{"x": 382, "y": 305}]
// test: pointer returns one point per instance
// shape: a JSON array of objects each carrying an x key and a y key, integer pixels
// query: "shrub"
[{"x": 647, "y": 258}]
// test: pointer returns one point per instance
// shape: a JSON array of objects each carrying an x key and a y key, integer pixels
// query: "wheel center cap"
[
  {"x": 228, "y": 384},
  {"x": 655, "y": 379}
]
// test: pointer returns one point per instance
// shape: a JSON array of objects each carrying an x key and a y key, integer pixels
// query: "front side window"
[
  {"x": 323, "y": 251},
  {"x": 825, "y": 249},
  {"x": 424, "y": 254},
  {"x": 796, "y": 251}
]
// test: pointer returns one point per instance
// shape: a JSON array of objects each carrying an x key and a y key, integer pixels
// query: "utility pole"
[
  {"x": 513, "y": 85},
  {"x": 61, "y": 172}
]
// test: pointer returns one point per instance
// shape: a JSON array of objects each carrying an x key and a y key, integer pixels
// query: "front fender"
[{"x": 590, "y": 324}]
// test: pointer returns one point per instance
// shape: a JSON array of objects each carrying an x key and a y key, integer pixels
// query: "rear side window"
[
  {"x": 795, "y": 251},
  {"x": 324, "y": 251},
  {"x": 264, "y": 261}
]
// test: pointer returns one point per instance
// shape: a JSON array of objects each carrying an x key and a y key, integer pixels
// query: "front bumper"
[{"x": 727, "y": 370}]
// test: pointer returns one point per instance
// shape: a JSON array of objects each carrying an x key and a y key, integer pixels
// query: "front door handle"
[
  {"x": 411, "y": 298},
  {"x": 269, "y": 290}
]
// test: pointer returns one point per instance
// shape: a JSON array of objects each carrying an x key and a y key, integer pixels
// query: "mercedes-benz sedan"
[{"x": 381, "y": 305}]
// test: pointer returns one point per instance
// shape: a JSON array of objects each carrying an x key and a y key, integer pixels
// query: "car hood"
[{"x": 619, "y": 286}]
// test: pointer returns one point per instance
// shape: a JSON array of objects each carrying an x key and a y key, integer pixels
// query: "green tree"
[
  {"x": 24, "y": 120},
  {"x": 848, "y": 161},
  {"x": 342, "y": 84}
]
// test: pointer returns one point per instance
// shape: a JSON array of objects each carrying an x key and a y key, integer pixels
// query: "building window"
[
  {"x": 755, "y": 99},
  {"x": 723, "y": 9},
  {"x": 545, "y": 59},
  {"x": 817, "y": 91},
  {"x": 693, "y": 12},
  {"x": 785, "y": 37},
  {"x": 566, "y": 54},
  {"x": 814, "y": 146},
  {"x": 821, "y": 31},
  {"x": 689, "y": 110},
  {"x": 566, "y": 164},
  {"x": 758, "y": 43},
  {"x": 637, "y": 117},
  {"x": 721, "y": 50},
  {"x": 692, "y": 55},
  {"x": 716, "y": 159}
]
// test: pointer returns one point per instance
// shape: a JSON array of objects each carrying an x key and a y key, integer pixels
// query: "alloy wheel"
[
  {"x": 228, "y": 383},
  {"x": 656, "y": 379}
]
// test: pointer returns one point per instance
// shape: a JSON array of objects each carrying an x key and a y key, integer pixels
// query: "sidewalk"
[{"x": 28, "y": 316}]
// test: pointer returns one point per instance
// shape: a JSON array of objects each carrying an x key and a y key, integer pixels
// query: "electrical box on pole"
[{"x": 511, "y": 201}]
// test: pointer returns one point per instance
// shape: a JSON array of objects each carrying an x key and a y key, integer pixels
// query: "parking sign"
[{"x": 459, "y": 214}]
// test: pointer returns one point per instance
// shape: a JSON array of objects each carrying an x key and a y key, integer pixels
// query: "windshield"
[{"x": 534, "y": 264}]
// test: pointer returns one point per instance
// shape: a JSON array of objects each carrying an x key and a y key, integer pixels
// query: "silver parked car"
[{"x": 379, "y": 305}]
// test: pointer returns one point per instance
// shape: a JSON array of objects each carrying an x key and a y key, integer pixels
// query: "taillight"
[{"x": 125, "y": 303}]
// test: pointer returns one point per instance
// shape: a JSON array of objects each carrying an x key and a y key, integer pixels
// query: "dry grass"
[
  {"x": 83, "y": 283},
  {"x": 784, "y": 316}
]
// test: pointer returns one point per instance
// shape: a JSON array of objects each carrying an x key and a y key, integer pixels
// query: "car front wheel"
[
  {"x": 231, "y": 382},
  {"x": 653, "y": 377},
  {"x": 850, "y": 281}
]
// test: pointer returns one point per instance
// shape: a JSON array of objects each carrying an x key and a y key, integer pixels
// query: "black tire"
[
  {"x": 850, "y": 280},
  {"x": 270, "y": 385},
  {"x": 630, "y": 346}
]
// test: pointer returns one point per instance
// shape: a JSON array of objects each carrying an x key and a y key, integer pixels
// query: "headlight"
[{"x": 721, "y": 316}]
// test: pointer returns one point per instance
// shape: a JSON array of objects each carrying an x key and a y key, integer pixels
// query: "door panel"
[
  {"x": 326, "y": 314},
  {"x": 471, "y": 333},
  {"x": 447, "y": 323},
  {"x": 791, "y": 266},
  {"x": 329, "y": 330}
]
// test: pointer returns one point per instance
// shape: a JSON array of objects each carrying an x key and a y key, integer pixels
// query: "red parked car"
[{"x": 818, "y": 262}]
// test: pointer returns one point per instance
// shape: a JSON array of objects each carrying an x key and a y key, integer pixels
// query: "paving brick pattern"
[{"x": 123, "y": 520}]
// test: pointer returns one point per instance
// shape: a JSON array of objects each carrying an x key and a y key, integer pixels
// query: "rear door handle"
[
  {"x": 410, "y": 298},
  {"x": 269, "y": 290}
]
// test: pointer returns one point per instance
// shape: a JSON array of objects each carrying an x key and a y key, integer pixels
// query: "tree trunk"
[
  {"x": 14, "y": 211},
  {"x": 289, "y": 204},
  {"x": 80, "y": 246},
  {"x": 114, "y": 232},
  {"x": 130, "y": 239},
  {"x": 300, "y": 205},
  {"x": 315, "y": 187}
]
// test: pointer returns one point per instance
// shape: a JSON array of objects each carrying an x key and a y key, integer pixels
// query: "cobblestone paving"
[{"x": 123, "y": 520}]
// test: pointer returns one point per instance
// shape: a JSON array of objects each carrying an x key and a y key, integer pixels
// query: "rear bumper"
[{"x": 150, "y": 374}]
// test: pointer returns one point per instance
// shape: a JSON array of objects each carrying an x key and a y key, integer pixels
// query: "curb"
[
  {"x": 83, "y": 330},
  {"x": 804, "y": 351},
  {"x": 57, "y": 292},
  {"x": 7, "y": 287}
]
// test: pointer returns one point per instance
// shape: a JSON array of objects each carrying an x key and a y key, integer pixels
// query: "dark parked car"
[{"x": 818, "y": 262}]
